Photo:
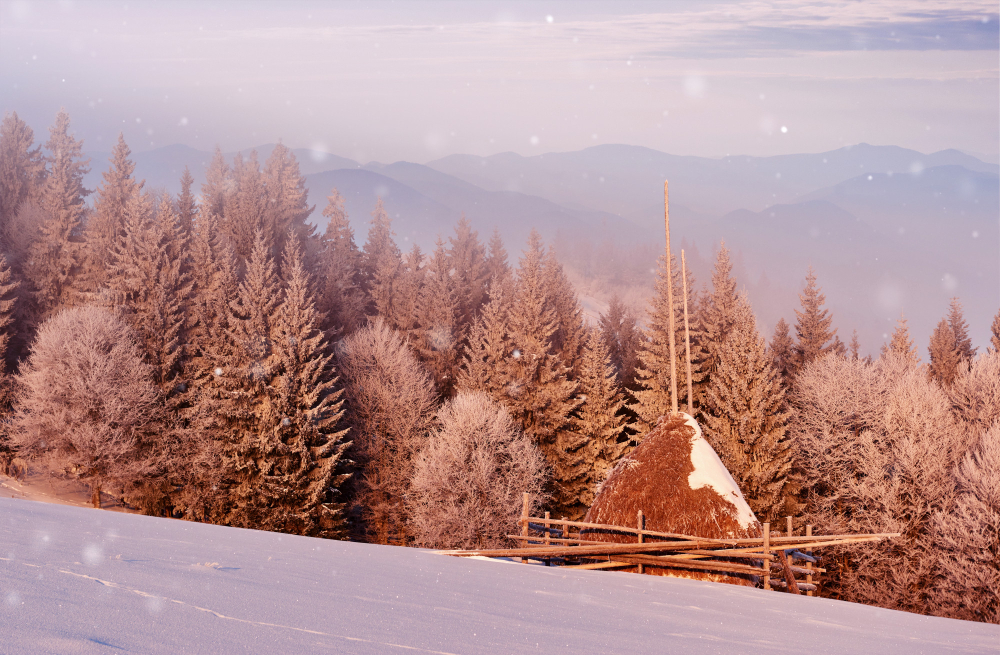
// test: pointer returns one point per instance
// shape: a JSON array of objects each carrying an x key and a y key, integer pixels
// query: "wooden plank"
[
  {"x": 598, "y": 565},
  {"x": 580, "y": 551},
  {"x": 809, "y": 565},
  {"x": 641, "y": 524},
  {"x": 677, "y": 562},
  {"x": 767, "y": 562},
  {"x": 787, "y": 570}
]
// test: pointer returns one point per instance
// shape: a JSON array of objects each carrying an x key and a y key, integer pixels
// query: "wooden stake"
[
  {"x": 787, "y": 570},
  {"x": 548, "y": 537},
  {"x": 642, "y": 526},
  {"x": 767, "y": 551},
  {"x": 687, "y": 334},
  {"x": 809, "y": 565},
  {"x": 525, "y": 512},
  {"x": 670, "y": 303},
  {"x": 788, "y": 526}
]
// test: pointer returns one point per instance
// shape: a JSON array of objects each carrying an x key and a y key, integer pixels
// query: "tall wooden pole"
[
  {"x": 687, "y": 334},
  {"x": 670, "y": 303}
]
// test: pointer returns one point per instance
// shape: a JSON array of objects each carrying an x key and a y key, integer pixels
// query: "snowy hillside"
[{"x": 86, "y": 581}]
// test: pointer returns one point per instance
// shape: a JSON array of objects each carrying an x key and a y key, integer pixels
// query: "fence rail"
[{"x": 566, "y": 543}]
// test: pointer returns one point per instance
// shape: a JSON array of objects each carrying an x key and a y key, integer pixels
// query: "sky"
[{"x": 416, "y": 81}]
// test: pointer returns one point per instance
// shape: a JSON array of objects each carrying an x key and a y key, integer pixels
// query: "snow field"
[{"x": 76, "y": 580}]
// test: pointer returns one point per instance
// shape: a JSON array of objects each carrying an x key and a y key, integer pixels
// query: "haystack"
[{"x": 678, "y": 481}]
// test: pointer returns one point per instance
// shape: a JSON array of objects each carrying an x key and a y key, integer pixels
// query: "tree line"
[{"x": 212, "y": 356}]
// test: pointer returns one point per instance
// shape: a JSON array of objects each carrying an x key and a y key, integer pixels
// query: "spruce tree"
[
  {"x": 22, "y": 171},
  {"x": 246, "y": 208},
  {"x": 855, "y": 346},
  {"x": 218, "y": 185},
  {"x": 288, "y": 202},
  {"x": 379, "y": 245},
  {"x": 956, "y": 321},
  {"x": 497, "y": 266},
  {"x": 717, "y": 312},
  {"x": 439, "y": 332},
  {"x": 405, "y": 296},
  {"x": 653, "y": 374},
  {"x": 298, "y": 490},
  {"x": 944, "y": 354},
  {"x": 600, "y": 419},
  {"x": 8, "y": 285},
  {"x": 570, "y": 335},
  {"x": 107, "y": 223},
  {"x": 55, "y": 257},
  {"x": 486, "y": 355},
  {"x": 745, "y": 416},
  {"x": 340, "y": 299},
  {"x": 622, "y": 339},
  {"x": 782, "y": 350},
  {"x": 812, "y": 325},
  {"x": 187, "y": 207},
  {"x": 901, "y": 344},
  {"x": 467, "y": 257}
]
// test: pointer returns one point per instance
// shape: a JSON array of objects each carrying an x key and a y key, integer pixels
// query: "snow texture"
[
  {"x": 709, "y": 471},
  {"x": 76, "y": 580}
]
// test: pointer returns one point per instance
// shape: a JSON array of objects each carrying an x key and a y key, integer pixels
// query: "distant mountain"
[{"x": 628, "y": 180}]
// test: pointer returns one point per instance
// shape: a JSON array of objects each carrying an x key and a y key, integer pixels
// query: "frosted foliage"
[
  {"x": 468, "y": 482},
  {"x": 87, "y": 403},
  {"x": 390, "y": 403},
  {"x": 975, "y": 394},
  {"x": 877, "y": 445},
  {"x": 709, "y": 471}
]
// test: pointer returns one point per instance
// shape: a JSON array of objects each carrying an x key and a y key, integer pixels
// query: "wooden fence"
[{"x": 570, "y": 544}]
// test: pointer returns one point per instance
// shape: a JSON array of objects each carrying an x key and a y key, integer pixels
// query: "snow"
[
  {"x": 75, "y": 580},
  {"x": 709, "y": 471}
]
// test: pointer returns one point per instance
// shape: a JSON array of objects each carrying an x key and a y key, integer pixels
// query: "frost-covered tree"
[
  {"x": 218, "y": 185},
  {"x": 438, "y": 322},
  {"x": 22, "y": 171},
  {"x": 54, "y": 259},
  {"x": 8, "y": 286},
  {"x": 600, "y": 420},
  {"x": 901, "y": 344},
  {"x": 390, "y": 405},
  {"x": 485, "y": 358},
  {"x": 107, "y": 222},
  {"x": 717, "y": 312},
  {"x": 956, "y": 321},
  {"x": 187, "y": 206},
  {"x": 87, "y": 405},
  {"x": 341, "y": 298},
  {"x": 813, "y": 325},
  {"x": 622, "y": 338},
  {"x": 975, "y": 393},
  {"x": 287, "y": 200},
  {"x": 496, "y": 261},
  {"x": 467, "y": 257},
  {"x": 943, "y": 354},
  {"x": 246, "y": 207},
  {"x": 854, "y": 348},
  {"x": 570, "y": 335},
  {"x": 782, "y": 351},
  {"x": 746, "y": 417},
  {"x": 469, "y": 479},
  {"x": 995, "y": 333}
]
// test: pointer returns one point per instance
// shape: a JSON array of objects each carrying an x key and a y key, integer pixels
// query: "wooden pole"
[
  {"x": 788, "y": 525},
  {"x": 809, "y": 565},
  {"x": 525, "y": 511},
  {"x": 642, "y": 526},
  {"x": 687, "y": 335},
  {"x": 548, "y": 537},
  {"x": 670, "y": 303},
  {"x": 767, "y": 551}
]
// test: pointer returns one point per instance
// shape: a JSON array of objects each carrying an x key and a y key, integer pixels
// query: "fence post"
[
  {"x": 642, "y": 526},
  {"x": 809, "y": 565},
  {"x": 525, "y": 507},
  {"x": 767, "y": 551},
  {"x": 548, "y": 538}
]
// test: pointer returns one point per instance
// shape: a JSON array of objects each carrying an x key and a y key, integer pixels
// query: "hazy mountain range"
[{"x": 887, "y": 229}]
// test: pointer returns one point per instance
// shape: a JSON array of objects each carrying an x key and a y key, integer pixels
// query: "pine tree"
[
  {"x": 288, "y": 202},
  {"x": 107, "y": 223},
  {"x": 622, "y": 339},
  {"x": 717, "y": 313},
  {"x": 218, "y": 185},
  {"x": 340, "y": 298},
  {"x": 405, "y": 295},
  {"x": 901, "y": 344},
  {"x": 22, "y": 171},
  {"x": 653, "y": 374},
  {"x": 150, "y": 282},
  {"x": 995, "y": 333},
  {"x": 944, "y": 354},
  {"x": 467, "y": 257},
  {"x": 956, "y": 321},
  {"x": 782, "y": 350},
  {"x": 812, "y": 325},
  {"x": 486, "y": 355},
  {"x": 8, "y": 285},
  {"x": 855, "y": 346},
  {"x": 439, "y": 333},
  {"x": 298, "y": 490},
  {"x": 600, "y": 419},
  {"x": 187, "y": 208},
  {"x": 497, "y": 266},
  {"x": 380, "y": 262},
  {"x": 55, "y": 257},
  {"x": 570, "y": 335},
  {"x": 246, "y": 208},
  {"x": 745, "y": 416}
]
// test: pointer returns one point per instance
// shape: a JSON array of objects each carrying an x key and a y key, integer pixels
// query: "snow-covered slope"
[{"x": 77, "y": 580}]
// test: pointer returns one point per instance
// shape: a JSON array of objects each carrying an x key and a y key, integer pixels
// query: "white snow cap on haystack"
[{"x": 709, "y": 471}]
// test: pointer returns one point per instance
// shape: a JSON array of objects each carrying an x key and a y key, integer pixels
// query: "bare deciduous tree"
[
  {"x": 87, "y": 404},
  {"x": 469, "y": 480},
  {"x": 390, "y": 403}
]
